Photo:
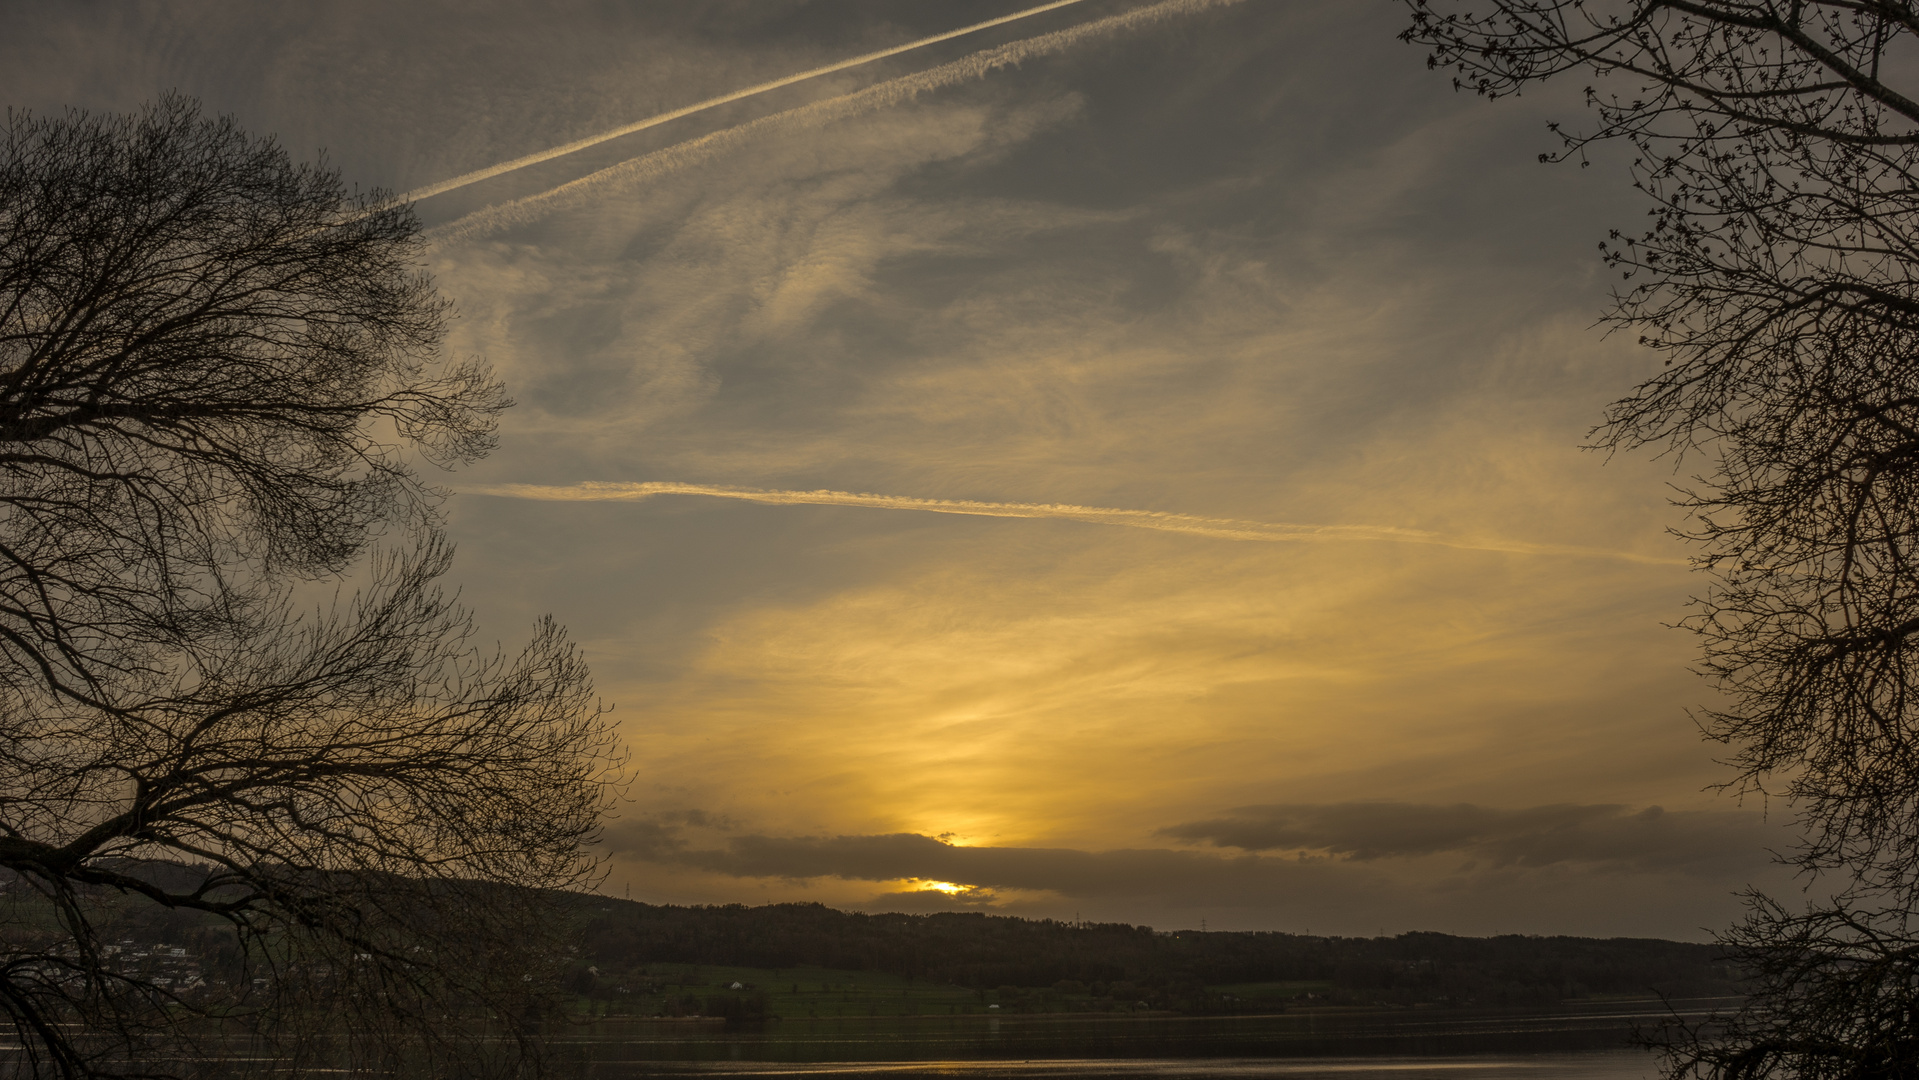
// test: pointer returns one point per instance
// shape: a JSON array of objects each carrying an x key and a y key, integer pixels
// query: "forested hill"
[{"x": 986, "y": 952}]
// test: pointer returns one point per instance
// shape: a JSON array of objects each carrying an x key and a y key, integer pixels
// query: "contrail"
[
  {"x": 490, "y": 171},
  {"x": 1216, "y": 528},
  {"x": 681, "y": 155}
]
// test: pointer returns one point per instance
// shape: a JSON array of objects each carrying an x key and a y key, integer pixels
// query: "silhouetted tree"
[
  {"x": 1779, "y": 143},
  {"x": 1833, "y": 996},
  {"x": 234, "y": 708}
]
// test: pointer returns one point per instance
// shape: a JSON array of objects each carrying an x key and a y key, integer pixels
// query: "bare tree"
[
  {"x": 1780, "y": 276},
  {"x": 1778, "y": 141},
  {"x": 197, "y": 337},
  {"x": 217, "y": 370},
  {"x": 1833, "y": 996}
]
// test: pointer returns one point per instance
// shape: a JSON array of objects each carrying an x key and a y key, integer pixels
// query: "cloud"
[
  {"x": 1653, "y": 838},
  {"x": 913, "y": 857},
  {"x": 612, "y": 179},
  {"x": 1313, "y": 837},
  {"x": 601, "y": 346},
  {"x": 1546, "y": 869},
  {"x": 1216, "y": 528},
  {"x": 564, "y": 149}
]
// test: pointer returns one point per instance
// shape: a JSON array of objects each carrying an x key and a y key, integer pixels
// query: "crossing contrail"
[
  {"x": 880, "y": 95},
  {"x": 1216, "y": 528},
  {"x": 490, "y": 171}
]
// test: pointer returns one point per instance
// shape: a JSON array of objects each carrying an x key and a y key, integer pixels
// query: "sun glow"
[{"x": 946, "y": 887}]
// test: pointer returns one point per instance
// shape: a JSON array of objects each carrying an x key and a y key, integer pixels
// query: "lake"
[{"x": 1576, "y": 1041}]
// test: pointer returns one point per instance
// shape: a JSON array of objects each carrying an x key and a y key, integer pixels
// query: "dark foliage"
[{"x": 1167, "y": 970}]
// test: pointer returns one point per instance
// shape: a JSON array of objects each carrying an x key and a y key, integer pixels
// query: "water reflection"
[
  {"x": 1579, "y": 1042},
  {"x": 1605, "y": 1065}
]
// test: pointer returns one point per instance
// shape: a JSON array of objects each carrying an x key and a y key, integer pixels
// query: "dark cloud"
[
  {"x": 899, "y": 856},
  {"x": 1596, "y": 869},
  {"x": 1653, "y": 838},
  {"x": 1326, "y": 849}
]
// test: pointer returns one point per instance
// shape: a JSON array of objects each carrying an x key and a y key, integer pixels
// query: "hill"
[
  {"x": 810, "y": 960},
  {"x": 1028, "y": 964}
]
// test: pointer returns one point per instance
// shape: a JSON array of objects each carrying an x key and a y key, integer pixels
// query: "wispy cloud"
[
  {"x": 881, "y": 95},
  {"x": 1216, "y": 528},
  {"x": 504, "y": 167}
]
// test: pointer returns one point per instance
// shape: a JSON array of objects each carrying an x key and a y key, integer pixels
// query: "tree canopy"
[{"x": 230, "y": 689}]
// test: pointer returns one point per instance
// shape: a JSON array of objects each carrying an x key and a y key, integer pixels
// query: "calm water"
[
  {"x": 1578, "y": 1042},
  {"x": 1608, "y": 1065}
]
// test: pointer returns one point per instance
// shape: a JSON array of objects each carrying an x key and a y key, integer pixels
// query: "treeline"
[
  {"x": 988, "y": 952},
  {"x": 1020, "y": 964}
]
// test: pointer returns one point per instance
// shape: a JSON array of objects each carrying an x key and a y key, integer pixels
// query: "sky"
[{"x": 1123, "y": 463}]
